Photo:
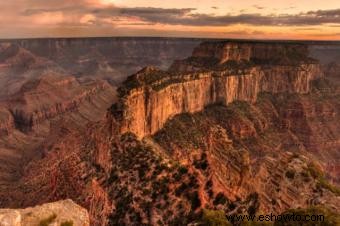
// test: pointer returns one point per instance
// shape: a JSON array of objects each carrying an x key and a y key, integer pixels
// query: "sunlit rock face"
[
  {"x": 57, "y": 213},
  {"x": 155, "y": 96}
]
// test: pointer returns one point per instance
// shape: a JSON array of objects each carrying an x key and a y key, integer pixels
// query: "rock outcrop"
[
  {"x": 150, "y": 97},
  {"x": 59, "y": 213},
  {"x": 51, "y": 95}
]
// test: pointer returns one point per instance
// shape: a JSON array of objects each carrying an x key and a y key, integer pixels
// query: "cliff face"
[
  {"x": 58, "y": 213},
  {"x": 52, "y": 95},
  {"x": 149, "y": 104}
]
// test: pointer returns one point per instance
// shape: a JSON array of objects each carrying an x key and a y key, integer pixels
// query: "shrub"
[
  {"x": 195, "y": 200},
  {"x": 220, "y": 199},
  {"x": 214, "y": 218},
  {"x": 181, "y": 189},
  {"x": 290, "y": 174},
  {"x": 322, "y": 182},
  {"x": 182, "y": 170},
  {"x": 209, "y": 184}
]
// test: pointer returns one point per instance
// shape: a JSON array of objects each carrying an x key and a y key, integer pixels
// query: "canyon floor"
[{"x": 60, "y": 136}]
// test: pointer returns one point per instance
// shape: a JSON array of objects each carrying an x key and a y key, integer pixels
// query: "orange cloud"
[{"x": 28, "y": 18}]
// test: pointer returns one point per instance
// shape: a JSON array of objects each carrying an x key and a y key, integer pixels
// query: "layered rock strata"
[
  {"x": 151, "y": 97},
  {"x": 47, "y": 97}
]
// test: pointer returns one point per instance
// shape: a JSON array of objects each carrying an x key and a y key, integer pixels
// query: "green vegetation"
[
  {"x": 242, "y": 108},
  {"x": 220, "y": 199},
  {"x": 185, "y": 130},
  {"x": 182, "y": 170},
  {"x": 139, "y": 169},
  {"x": 48, "y": 220},
  {"x": 325, "y": 184},
  {"x": 67, "y": 223},
  {"x": 214, "y": 218}
]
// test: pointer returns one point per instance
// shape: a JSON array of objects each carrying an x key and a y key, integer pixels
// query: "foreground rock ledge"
[{"x": 64, "y": 212}]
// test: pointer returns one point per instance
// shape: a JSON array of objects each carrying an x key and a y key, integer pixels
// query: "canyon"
[
  {"x": 46, "y": 84},
  {"x": 242, "y": 127}
]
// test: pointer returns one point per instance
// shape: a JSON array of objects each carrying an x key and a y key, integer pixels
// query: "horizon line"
[{"x": 169, "y": 37}]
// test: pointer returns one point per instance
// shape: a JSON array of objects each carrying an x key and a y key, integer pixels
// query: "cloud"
[
  {"x": 258, "y": 7},
  {"x": 188, "y": 16},
  {"x": 244, "y": 33},
  {"x": 307, "y": 29},
  {"x": 94, "y": 18}
]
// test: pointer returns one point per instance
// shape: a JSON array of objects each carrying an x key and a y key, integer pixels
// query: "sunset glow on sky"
[{"x": 261, "y": 19}]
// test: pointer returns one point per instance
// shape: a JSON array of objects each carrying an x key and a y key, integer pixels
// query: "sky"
[{"x": 249, "y": 19}]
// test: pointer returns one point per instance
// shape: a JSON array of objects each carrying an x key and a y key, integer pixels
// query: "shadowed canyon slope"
[
  {"x": 240, "y": 127},
  {"x": 34, "y": 115}
]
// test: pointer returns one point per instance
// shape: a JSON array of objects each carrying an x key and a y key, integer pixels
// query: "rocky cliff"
[
  {"x": 150, "y": 97},
  {"x": 59, "y": 213}
]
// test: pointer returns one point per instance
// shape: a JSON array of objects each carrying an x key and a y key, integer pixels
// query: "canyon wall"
[
  {"x": 151, "y": 96},
  {"x": 52, "y": 95}
]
